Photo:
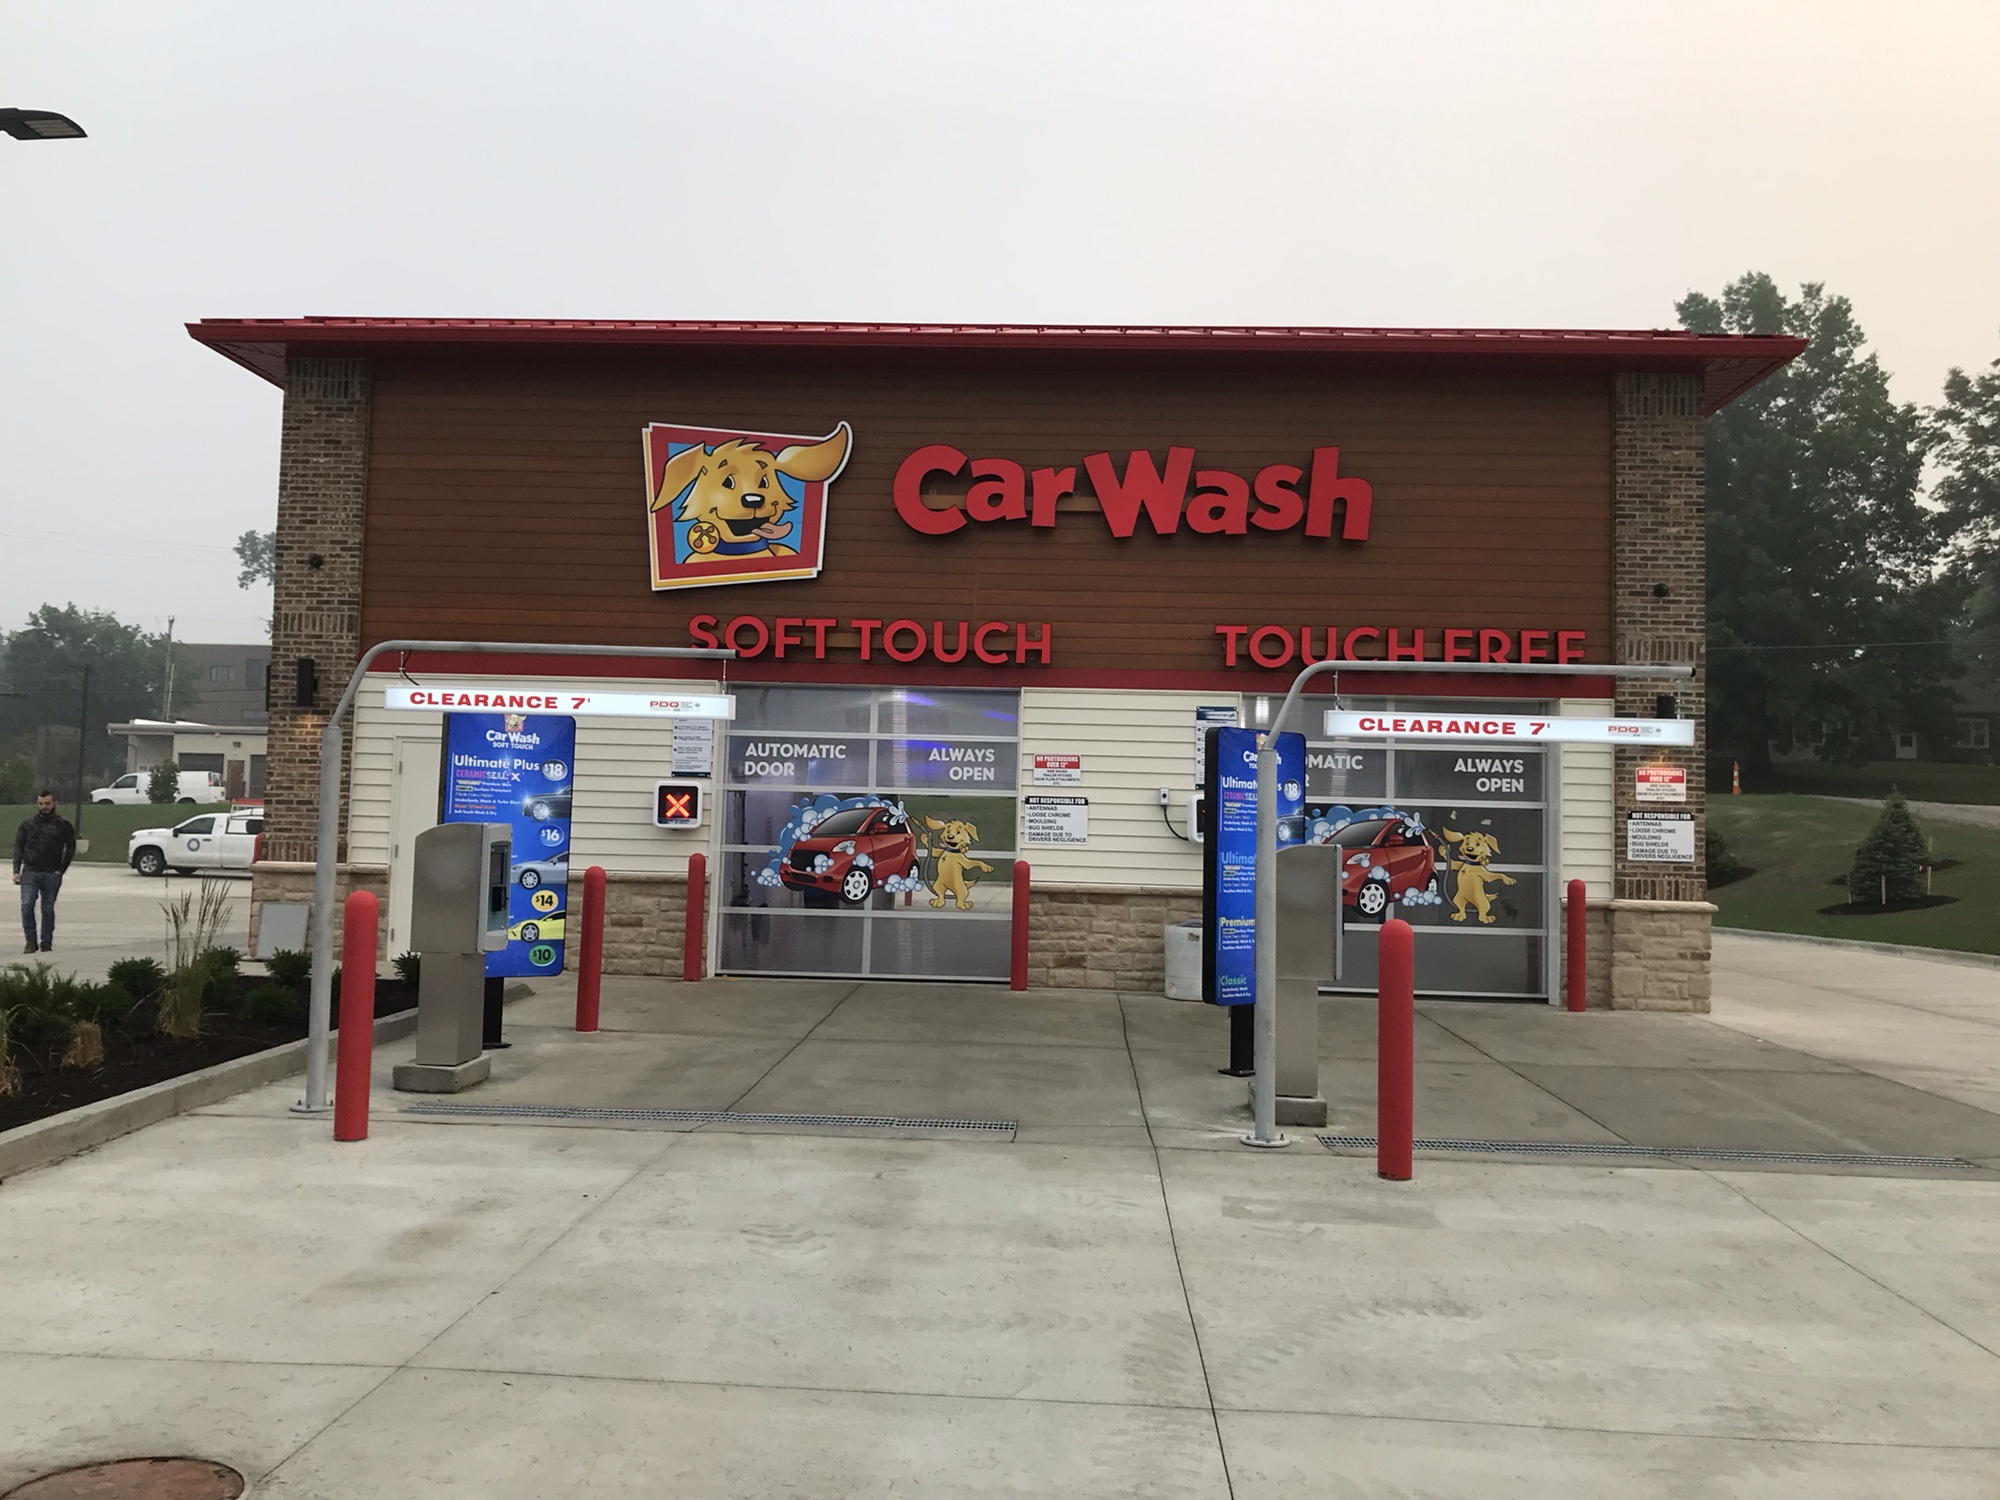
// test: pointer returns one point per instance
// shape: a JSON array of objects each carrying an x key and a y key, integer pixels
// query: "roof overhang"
[{"x": 1729, "y": 364}]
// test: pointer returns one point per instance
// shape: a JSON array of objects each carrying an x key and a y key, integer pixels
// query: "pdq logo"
[{"x": 725, "y": 506}]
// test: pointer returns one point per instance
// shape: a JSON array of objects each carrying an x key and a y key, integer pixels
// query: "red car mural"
[
  {"x": 850, "y": 854},
  {"x": 1388, "y": 859}
]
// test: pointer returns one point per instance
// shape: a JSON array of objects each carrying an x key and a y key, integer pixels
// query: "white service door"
[{"x": 415, "y": 802}]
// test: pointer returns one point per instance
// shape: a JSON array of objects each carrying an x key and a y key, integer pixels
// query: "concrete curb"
[
  {"x": 1856, "y": 945},
  {"x": 44, "y": 1141}
]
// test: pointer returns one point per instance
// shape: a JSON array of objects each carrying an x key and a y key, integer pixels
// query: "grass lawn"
[
  {"x": 1797, "y": 845},
  {"x": 107, "y": 828},
  {"x": 1919, "y": 780}
]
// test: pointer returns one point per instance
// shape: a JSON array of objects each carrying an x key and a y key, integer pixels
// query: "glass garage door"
[
  {"x": 1455, "y": 840},
  {"x": 869, "y": 832}
]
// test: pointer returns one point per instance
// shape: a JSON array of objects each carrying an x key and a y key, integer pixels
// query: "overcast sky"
[{"x": 1477, "y": 164}]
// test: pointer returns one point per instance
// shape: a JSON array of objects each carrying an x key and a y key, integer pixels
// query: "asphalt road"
[{"x": 109, "y": 912}]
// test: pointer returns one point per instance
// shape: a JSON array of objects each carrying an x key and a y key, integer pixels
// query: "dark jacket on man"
[{"x": 43, "y": 843}]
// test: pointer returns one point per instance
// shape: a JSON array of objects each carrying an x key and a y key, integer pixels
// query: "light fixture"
[{"x": 39, "y": 125}]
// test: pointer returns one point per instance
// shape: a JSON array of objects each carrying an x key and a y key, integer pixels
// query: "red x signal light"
[{"x": 677, "y": 804}]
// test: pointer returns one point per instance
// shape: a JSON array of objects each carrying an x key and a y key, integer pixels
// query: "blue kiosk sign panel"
[
  {"x": 519, "y": 769},
  {"x": 1229, "y": 883}
]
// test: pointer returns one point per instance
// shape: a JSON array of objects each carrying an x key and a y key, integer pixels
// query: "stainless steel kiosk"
[
  {"x": 458, "y": 915},
  {"x": 1308, "y": 917}
]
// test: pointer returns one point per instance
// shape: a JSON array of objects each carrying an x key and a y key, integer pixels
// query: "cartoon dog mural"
[
  {"x": 1473, "y": 852},
  {"x": 953, "y": 848},
  {"x": 734, "y": 495}
]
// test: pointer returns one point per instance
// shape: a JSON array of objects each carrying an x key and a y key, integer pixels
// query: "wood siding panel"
[{"x": 506, "y": 498}]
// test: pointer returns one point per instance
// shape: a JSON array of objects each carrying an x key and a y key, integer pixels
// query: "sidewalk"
[{"x": 1111, "y": 1299}]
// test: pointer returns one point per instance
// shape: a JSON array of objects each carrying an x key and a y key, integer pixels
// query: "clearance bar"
[
  {"x": 1494, "y": 729},
  {"x": 537, "y": 698}
]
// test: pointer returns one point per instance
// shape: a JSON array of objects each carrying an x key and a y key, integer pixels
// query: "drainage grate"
[
  {"x": 1675, "y": 1153},
  {"x": 705, "y": 1117}
]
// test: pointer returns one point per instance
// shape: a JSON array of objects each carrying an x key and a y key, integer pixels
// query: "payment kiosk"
[{"x": 458, "y": 914}]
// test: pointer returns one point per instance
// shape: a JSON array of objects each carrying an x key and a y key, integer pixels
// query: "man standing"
[{"x": 43, "y": 847}]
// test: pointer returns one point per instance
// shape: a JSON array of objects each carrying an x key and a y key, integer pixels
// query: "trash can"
[{"x": 1183, "y": 940}]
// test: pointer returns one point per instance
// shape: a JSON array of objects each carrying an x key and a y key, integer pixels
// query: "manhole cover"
[{"x": 136, "y": 1479}]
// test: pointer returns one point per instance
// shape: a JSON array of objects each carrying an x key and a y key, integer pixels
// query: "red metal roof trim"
[{"x": 1730, "y": 363}]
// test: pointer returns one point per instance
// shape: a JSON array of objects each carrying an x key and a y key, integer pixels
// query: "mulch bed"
[
  {"x": 135, "y": 1057},
  {"x": 1879, "y": 909}
]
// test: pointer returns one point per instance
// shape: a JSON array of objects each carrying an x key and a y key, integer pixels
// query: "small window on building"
[
  {"x": 221, "y": 674},
  {"x": 1974, "y": 734}
]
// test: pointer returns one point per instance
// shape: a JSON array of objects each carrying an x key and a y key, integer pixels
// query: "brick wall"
[
  {"x": 1660, "y": 592},
  {"x": 645, "y": 925},
  {"x": 271, "y": 881},
  {"x": 1657, "y": 942},
  {"x": 316, "y": 595}
]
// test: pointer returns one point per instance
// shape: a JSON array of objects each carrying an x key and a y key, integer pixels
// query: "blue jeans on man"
[{"x": 45, "y": 884}]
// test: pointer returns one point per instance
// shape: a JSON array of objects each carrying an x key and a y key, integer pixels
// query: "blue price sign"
[
  {"x": 518, "y": 769},
  {"x": 1229, "y": 857}
]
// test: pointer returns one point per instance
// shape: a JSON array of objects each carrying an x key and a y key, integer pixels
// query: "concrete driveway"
[{"x": 574, "y": 1293}]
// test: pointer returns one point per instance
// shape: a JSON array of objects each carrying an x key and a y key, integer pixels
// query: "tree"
[
  {"x": 1889, "y": 862},
  {"x": 257, "y": 552},
  {"x": 163, "y": 782},
  {"x": 1965, "y": 433},
  {"x": 44, "y": 666},
  {"x": 1817, "y": 540}
]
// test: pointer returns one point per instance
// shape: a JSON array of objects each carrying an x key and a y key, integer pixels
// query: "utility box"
[
  {"x": 1184, "y": 945},
  {"x": 460, "y": 882}
]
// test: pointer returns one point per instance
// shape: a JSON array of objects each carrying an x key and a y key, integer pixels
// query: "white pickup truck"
[{"x": 208, "y": 841}]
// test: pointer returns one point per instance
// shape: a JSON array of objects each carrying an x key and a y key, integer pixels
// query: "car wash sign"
[
  {"x": 1229, "y": 854},
  {"x": 519, "y": 769}
]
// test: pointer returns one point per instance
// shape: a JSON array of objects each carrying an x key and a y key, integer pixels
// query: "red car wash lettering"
[
  {"x": 994, "y": 642},
  {"x": 1279, "y": 645},
  {"x": 1210, "y": 502}
]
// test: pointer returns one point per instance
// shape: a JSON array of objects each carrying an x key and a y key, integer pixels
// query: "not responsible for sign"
[
  {"x": 1504, "y": 729},
  {"x": 1659, "y": 838},
  {"x": 1055, "y": 820},
  {"x": 544, "y": 698}
]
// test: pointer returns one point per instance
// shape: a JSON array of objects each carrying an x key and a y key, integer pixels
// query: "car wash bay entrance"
[
  {"x": 1454, "y": 840},
  {"x": 869, "y": 832}
]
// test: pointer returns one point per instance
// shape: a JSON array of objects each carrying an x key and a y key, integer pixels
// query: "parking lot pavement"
[
  {"x": 1111, "y": 1299},
  {"x": 109, "y": 912}
]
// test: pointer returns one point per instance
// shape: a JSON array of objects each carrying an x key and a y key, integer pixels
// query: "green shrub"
[
  {"x": 163, "y": 783},
  {"x": 34, "y": 999},
  {"x": 140, "y": 978},
  {"x": 271, "y": 1004},
  {"x": 18, "y": 782},
  {"x": 408, "y": 967},
  {"x": 1889, "y": 862},
  {"x": 1723, "y": 866},
  {"x": 288, "y": 966}
]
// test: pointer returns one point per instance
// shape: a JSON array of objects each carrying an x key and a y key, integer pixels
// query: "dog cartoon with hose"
[
  {"x": 1469, "y": 859},
  {"x": 952, "y": 843},
  {"x": 734, "y": 494}
]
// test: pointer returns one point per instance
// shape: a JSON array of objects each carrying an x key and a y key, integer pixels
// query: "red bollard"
[
  {"x": 356, "y": 1048},
  {"x": 590, "y": 962},
  {"x": 1573, "y": 959},
  {"x": 1017, "y": 970},
  {"x": 697, "y": 924},
  {"x": 1395, "y": 1050}
]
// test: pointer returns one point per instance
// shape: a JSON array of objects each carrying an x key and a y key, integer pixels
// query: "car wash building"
[{"x": 987, "y": 587}]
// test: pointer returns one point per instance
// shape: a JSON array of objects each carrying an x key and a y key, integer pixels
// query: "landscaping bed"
[{"x": 66, "y": 1042}]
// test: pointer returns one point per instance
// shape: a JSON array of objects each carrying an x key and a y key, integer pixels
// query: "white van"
[{"x": 195, "y": 786}]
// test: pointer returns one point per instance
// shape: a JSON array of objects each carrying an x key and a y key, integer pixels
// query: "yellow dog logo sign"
[{"x": 725, "y": 506}]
